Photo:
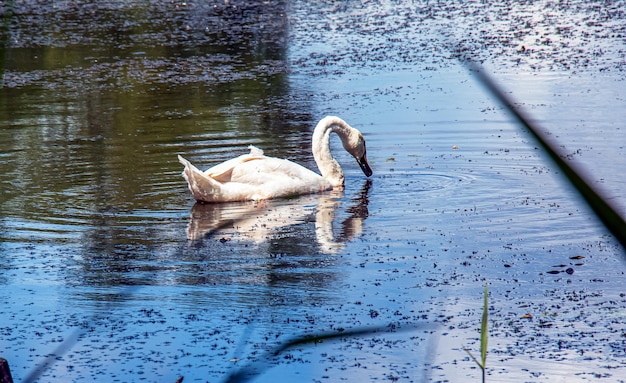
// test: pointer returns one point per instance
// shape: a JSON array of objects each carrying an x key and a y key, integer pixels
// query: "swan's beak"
[{"x": 365, "y": 166}]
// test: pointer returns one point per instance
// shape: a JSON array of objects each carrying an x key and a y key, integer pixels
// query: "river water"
[{"x": 108, "y": 264}]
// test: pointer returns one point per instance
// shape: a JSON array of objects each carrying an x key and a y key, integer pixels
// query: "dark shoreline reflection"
[{"x": 265, "y": 221}]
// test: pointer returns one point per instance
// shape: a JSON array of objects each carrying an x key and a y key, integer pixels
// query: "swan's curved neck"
[{"x": 326, "y": 163}]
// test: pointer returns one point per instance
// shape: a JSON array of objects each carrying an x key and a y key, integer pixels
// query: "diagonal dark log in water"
[{"x": 603, "y": 210}]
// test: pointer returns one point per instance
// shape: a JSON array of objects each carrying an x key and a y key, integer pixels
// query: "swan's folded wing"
[
  {"x": 263, "y": 170},
  {"x": 279, "y": 178},
  {"x": 223, "y": 172}
]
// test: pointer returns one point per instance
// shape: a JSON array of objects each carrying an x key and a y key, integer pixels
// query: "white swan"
[{"x": 255, "y": 176}]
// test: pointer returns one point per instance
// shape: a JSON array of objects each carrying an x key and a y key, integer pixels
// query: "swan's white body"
[{"x": 255, "y": 176}]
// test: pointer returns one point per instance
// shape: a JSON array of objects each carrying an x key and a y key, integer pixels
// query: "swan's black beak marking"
[{"x": 365, "y": 166}]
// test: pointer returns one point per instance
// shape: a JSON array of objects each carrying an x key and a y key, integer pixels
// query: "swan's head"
[
  {"x": 352, "y": 140},
  {"x": 355, "y": 145}
]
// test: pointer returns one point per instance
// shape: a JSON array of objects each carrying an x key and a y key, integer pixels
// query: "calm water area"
[{"x": 109, "y": 266}]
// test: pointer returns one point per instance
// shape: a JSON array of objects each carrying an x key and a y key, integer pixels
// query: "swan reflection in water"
[{"x": 261, "y": 221}]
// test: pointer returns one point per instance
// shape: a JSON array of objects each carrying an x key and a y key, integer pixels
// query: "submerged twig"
[
  {"x": 257, "y": 367},
  {"x": 66, "y": 345}
]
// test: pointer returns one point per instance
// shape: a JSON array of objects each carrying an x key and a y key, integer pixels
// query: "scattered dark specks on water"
[{"x": 145, "y": 80}]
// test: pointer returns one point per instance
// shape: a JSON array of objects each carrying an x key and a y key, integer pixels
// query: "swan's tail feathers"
[{"x": 202, "y": 187}]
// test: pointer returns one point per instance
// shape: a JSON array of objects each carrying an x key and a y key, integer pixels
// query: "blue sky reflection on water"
[{"x": 96, "y": 217}]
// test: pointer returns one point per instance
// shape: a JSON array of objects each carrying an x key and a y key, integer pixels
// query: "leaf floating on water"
[
  {"x": 391, "y": 159},
  {"x": 553, "y": 271},
  {"x": 545, "y": 325},
  {"x": 527, "y": 316},
  {"x": 454, "y": 147},
  {"x": 577, "y": 257}
]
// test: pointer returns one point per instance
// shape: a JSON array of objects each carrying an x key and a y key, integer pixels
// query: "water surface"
[{"x": 100, "y": 238}]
